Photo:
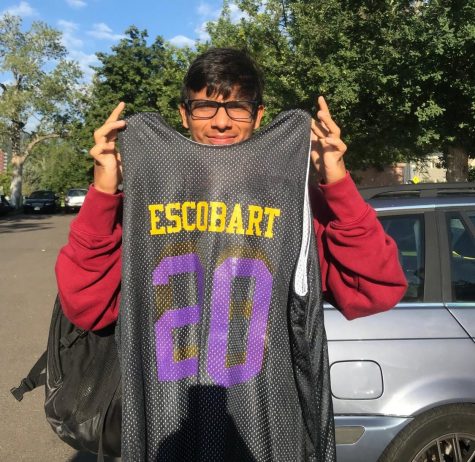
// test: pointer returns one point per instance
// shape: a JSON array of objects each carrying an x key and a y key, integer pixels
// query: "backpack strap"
[
  {"x": 102, "y": 421},
  {"x": 35, "y": 378},
  {"x": 66, "y": 341},
  {"x": 37, "y": 375},
  {"x": 100, "y": 452}
]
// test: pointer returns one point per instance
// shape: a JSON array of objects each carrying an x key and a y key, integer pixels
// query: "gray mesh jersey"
[{"x": 221, "y": 337}]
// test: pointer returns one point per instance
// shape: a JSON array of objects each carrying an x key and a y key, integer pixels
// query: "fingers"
[
  {"x": 325, "y": 118},
  {"x": 323, "y": 104},
  {"x": 336, "y": 143},
  {"x": 328, "y": 122},
  {"x": 102, "y": 148},
  {"x": 119, "y": 163},
  {"x": 329, "y": 144},
  {"x": 108, "y": 131},
  {"x": 328, "y": 148},
  {"x": 319, "y": 130},
  {"x": 107, "y": 163},
  {"x": 115, "y": 114}
]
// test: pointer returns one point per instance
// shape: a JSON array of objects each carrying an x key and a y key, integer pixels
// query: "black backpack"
[{"x": 80, "y": 371}]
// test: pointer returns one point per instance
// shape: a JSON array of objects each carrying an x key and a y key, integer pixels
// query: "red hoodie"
[{"x": 360, "y": 269}]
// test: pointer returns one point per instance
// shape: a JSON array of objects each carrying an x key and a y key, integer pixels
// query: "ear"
[
  {"x": 259, "y": 114},
  {"x": 184, "y": 116}
]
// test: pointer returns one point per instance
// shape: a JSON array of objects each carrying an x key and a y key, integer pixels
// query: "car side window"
[
  {"x": 462, "y": 258},
  {"x": 408, "y": 232}
]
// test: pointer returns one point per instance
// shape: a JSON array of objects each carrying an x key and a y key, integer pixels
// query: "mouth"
[{"x": 223, "y": 139}]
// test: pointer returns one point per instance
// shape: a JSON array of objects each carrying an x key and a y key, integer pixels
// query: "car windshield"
[
  {"x": 42, "y": 195},
  {"x": 77, "y": 192}
]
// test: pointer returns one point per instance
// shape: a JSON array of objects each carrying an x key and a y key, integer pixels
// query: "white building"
[{"x": 428, "y": 170}]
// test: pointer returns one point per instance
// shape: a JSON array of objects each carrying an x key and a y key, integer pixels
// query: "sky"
[{"x": 89, "y": 26}]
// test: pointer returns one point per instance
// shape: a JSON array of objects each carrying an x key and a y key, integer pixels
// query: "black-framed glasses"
[{"x": 207, "y": 109}]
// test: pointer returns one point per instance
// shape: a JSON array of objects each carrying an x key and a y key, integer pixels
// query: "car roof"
[
  {"x": 43, "y": 191},
  {"x": 420, "y": 196}
]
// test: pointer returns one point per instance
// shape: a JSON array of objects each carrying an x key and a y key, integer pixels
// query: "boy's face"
[{"x": 220, "y": 129}]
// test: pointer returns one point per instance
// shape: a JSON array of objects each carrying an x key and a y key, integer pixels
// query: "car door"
[{"x": 458, "y": 254}]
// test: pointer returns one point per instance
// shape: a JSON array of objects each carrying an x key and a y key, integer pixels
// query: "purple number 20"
[{"x": 170, "y": 370}]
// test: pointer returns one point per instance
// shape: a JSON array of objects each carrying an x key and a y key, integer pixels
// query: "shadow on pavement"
[
  {"x": 88, "y": 457},
  {"x": 21, "y": 222}
]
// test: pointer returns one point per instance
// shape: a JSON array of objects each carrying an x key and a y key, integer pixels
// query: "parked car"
[
  {"x": 5, "y": 206},
  {"x": 403, "y": 381},
  {"x": 41, "y": 201},
  {"x": 74, "y": 199}
]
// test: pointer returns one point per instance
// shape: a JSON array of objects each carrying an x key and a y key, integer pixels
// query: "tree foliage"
[
  {"x": 59, "y": 166},
  {"x": 37, "y": 102},
  {"x": 444, "y": 86},
  {"x": 5, "y": 180},
  {"x": 146, "y": 77},
  {"x": 398, "y": 74}
]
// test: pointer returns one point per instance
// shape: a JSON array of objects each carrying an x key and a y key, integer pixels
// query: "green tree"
[
  {"x": 146, "y": 77},
  {"x": 40, "y": 90},
  {"x": 341, "y": 49},
  {"x": 263, "y": 33},
  {"x": 398, "y": 74},
  {"x": 58, "y": 165},
  {"x": 443, "y": 87}
]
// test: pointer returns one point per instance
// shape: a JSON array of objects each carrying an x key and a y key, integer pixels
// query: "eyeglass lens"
[{"x": 238, "y": 110}]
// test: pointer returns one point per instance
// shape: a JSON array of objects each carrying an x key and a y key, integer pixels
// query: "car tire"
[{"x": 413, "y": 443}]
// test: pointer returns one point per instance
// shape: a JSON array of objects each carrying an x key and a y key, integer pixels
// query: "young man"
[
  {"x": 359, "y": 264},
  {"x": 361, "y": 274}
]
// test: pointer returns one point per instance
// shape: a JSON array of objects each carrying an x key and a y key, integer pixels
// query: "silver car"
[
  {"x": 74, "y": 199},
  {"x": 403, "y": 382}
]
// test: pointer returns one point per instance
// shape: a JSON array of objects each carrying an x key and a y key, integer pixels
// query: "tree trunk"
[
  {"x": 15, "y": 185},
  {"x": 457, "y": 164},
  {"x": 17, "y": 162}
]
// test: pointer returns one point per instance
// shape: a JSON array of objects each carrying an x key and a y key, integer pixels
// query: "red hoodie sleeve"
[
  {"x": 88, "y": 268},
  {"x": 360, "y": 268},
  {"x": 361, "y": 273}
]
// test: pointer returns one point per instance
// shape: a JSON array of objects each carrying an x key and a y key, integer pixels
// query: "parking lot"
[{"x": 402, "y": 381}]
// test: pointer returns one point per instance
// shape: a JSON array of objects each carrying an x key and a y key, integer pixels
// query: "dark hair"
[{"x": 220, "y": 71}]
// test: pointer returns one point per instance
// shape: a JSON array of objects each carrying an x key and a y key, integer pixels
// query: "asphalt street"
[{"x": 29, "y": 245}]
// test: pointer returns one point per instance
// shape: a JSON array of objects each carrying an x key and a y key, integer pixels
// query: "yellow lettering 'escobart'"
[{"x": 213, "y": 217}]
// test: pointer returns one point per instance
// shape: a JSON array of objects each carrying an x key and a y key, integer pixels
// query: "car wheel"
[{"x": 444, "y": 434}]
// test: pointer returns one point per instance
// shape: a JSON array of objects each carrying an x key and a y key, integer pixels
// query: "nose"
[{"x": 221, "y": 120}]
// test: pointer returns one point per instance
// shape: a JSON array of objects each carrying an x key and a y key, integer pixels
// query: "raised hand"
[
  {"x": 327, "y": 146},
  {"x": 107, "y": 165}
]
